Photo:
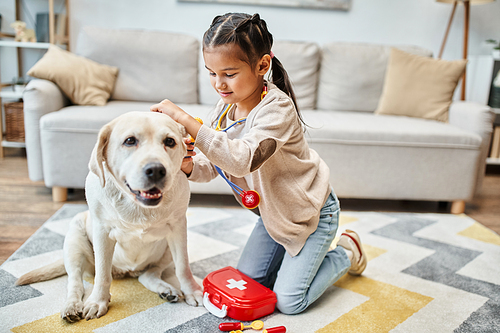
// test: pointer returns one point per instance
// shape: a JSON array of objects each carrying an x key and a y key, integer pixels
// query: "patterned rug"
[{"x": 426, "y": 273}]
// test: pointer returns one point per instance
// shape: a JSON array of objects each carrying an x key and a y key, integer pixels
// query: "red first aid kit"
[{"x": 228, "y": 292}]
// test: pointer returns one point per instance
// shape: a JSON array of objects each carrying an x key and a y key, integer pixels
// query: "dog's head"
[
  {"x": 143, "y": 151},
  {"x": 18, "y": 25}
]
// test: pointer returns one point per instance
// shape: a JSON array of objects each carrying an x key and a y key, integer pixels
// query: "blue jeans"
[{"x": 301, "y": 280}]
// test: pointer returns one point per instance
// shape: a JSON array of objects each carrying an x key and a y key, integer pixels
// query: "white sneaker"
[{"x": 349, "y": 240}]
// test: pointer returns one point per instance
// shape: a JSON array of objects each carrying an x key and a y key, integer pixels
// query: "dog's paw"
[
  {"x": 170, "y": 294},
  {"x": 93, "y": 310},
  {"x": 72, "y": 311},
  {"x": 194, "y": 299}
]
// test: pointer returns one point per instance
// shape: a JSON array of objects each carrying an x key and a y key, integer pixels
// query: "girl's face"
[{"x": 234, "y": 79}]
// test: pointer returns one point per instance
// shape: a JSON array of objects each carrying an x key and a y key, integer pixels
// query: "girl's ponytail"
[{"x": 281, "y": 79}]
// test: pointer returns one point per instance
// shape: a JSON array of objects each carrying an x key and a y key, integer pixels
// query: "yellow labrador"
[{"x": 136, "y": 222}]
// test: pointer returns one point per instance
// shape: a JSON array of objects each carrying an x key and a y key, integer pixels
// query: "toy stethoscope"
[{"x": 250, "y": 198}]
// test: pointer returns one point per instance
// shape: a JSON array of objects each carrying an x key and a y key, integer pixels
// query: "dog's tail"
[{"x": 44, "y": 273}]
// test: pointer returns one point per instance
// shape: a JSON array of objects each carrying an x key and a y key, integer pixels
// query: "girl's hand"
[
  {"x": 187, "y": 163},
  {"x": 179, "y": 115},
  {"x": 170, "y": 109}
]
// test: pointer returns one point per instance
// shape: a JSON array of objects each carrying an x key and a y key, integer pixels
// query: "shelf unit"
[
  {"x": 494, "y": 154},
  {"x": 495, "y": 145},
  {"x": 10, "y": 94},
  {"x": 7, "y": 40},
  {"x": 24, "y": 45}
]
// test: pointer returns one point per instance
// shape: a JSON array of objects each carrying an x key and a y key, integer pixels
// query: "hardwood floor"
[{"x": 26, "y": 205}]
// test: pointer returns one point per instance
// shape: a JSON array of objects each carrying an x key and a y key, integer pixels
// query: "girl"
[{"x": 257, "y": 138}]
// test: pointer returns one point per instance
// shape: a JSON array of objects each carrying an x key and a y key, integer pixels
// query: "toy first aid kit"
[{"x": 228, "y": 292}]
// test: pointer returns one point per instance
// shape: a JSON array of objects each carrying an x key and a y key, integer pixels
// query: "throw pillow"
[
  {"x": 84, "y": 81},
  {"x": 417, "y": 86}
]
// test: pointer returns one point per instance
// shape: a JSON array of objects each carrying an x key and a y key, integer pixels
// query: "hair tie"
[{"x": 271, "y": 54}]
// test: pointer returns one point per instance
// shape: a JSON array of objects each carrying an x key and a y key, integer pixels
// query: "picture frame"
[{"x": 343, "y": 5}]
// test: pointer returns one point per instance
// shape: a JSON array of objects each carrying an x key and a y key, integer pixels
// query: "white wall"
[{"x": 418, "y": 22}]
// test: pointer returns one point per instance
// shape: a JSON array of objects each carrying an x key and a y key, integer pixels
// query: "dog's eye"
[
  {"x": 130, "y": 141},
  {"x": 169, "y": 142}
]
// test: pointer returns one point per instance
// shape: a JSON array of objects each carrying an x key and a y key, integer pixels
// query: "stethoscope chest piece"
[{"x": 250, "y": 199}]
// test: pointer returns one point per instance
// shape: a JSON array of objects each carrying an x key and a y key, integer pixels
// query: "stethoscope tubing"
[{"x": 235, "y": 187}]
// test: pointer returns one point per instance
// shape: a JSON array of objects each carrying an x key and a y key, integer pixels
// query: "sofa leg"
[
  {"x": 458, "y": 207},
  {"x": 59, "y": 194}
]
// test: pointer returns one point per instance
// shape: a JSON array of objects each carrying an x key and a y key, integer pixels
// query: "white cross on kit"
[{"x": 236, "y": 284}]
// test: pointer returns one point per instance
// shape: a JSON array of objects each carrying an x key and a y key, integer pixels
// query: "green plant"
[
  {"x": 19, "y": 81},
  {"x": 496, "y": 43}
]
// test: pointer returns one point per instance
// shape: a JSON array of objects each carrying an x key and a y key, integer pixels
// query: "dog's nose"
[{"x": 155, "y": 171}]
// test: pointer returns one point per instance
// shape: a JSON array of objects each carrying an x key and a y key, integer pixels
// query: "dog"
[{"x": 136, "y": 224}]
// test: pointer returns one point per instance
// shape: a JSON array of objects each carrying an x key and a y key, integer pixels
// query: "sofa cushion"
[
  {"x": 366, "y": 128},
  {"x": 208, "y": 95},
  {"x": 153, "y": 65},
  {"x": 90, "y": 119},
  {"x": 301, "y": 61},
  {"x": 82, "y": 80},
  {"x": 418, "y": 86},
  {"x": 352, "y": 75},
  {"x": 392, "y": 157}
]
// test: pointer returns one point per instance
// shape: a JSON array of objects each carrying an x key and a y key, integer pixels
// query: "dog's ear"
[
  {"x": 184, "y": 133},
  {"x": 99, "y": 155}
]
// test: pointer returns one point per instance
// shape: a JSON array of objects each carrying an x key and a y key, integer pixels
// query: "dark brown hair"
[{"x": 251, "y": 35}]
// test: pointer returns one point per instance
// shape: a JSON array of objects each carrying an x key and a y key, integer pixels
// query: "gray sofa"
[{"x": 337, "y": 86}]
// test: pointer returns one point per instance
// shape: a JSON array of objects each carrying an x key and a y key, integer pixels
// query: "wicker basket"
[{"x": 14, "y": 122}]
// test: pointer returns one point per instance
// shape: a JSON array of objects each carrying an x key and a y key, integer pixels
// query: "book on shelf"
[{"x": 60, "y": 30}]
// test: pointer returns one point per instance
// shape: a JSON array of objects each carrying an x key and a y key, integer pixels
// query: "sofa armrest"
[
  {"x": 471, "y": 116},
  {"x": 477, "y": 118},
  {"x": 40, "y": 97}
]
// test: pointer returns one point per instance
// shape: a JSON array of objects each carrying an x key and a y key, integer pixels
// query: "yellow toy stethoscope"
[
  {"x": 250, "y": 198},
  {"x": 239, "y": 121}
]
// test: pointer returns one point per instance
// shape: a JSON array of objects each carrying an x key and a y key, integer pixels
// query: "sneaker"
[{"x": 349, "y": 240}]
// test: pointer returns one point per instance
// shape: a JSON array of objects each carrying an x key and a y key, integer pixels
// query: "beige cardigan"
[{"x": 291, "y": 178}]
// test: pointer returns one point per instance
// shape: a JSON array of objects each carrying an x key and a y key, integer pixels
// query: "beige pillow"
[
  {"x": 417, "y": 86},
  {"x": 84, "y": 81}
]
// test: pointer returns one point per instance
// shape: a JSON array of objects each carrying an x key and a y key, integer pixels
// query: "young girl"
[{"x": 257, "y": 139}]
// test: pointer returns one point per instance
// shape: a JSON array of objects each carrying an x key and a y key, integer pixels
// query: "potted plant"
[
  {"x": 496, "y": 47},
  {"x": 18, "y": 84}
]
